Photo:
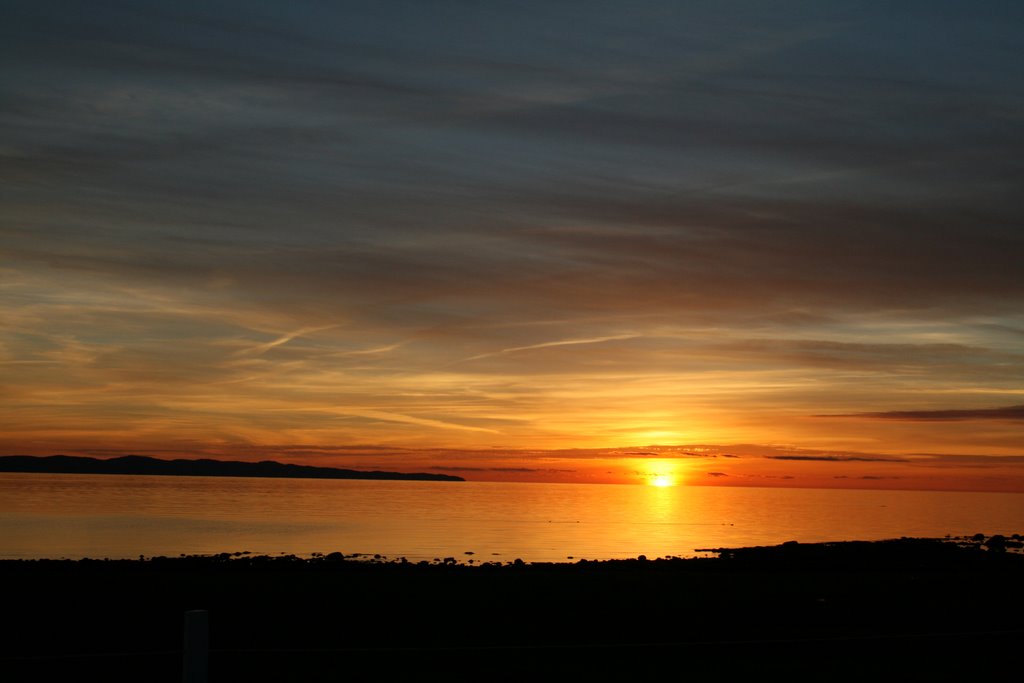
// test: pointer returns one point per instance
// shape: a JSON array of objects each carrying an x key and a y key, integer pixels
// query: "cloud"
[
  {"x": 966, "y": 460},
  {"x": 388, "y": 416},
  {"x": 260, "y": 349},
  {"x": 836, "y": 458},
  {"x": 1011, "y": 413},
  {"x": 866, "y": 477},
  {"x": 545, "y": 345}
]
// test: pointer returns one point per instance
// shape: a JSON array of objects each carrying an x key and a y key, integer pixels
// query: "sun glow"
[{"x": 660, "y": 473}]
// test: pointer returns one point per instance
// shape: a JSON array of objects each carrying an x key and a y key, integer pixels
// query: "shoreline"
[
  {"x": 876, "y": 550},
  {"x": 910, "y": 608}
]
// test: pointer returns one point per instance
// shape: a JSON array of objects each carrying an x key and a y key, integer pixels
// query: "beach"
[{"x": 909, "y": 609}]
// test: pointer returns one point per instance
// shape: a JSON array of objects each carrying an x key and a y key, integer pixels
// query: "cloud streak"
[
  {"x": 835, "y": 458},
  {"x": 1011, "y": 413},
  {"x": 547, "y": 345},
  {"x": 260, "y": 349}
]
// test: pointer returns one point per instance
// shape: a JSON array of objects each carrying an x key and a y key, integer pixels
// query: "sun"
[{"x": 660, "y": 472}]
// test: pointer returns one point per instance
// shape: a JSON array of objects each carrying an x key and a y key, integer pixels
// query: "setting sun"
[{"x": 660, "y": 473}]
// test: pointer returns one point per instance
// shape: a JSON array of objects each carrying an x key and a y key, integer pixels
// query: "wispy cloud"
[
  {"x": 546, "y": 345},
  {"x": 260, "y": 349},
  {"x": 388, "y": 416},
  {"x": 521, "y": 470},
  {"x": 374, "y": 351}
]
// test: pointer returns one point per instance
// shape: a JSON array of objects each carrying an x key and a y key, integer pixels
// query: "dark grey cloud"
[
  {"x": 1011, "y": 413},
  {"x": 836, "y": 458},
  {"x": 948, "y": 359},
  {"x": 968, "y": 460},
  {"x": 866, "y": 477},
  {"x": 716, "y": 157}
]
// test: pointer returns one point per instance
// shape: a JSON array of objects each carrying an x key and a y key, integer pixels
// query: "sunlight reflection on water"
[{"x": 127, "y": 516}]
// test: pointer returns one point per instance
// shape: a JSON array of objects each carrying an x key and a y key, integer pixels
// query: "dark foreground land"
[{"x": 908, "y": 609}]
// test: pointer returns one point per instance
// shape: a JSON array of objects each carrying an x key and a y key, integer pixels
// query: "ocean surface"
[{"x": 125, "y": 516}]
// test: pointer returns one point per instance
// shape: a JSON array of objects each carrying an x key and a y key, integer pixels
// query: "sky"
[{"x": 729, "y": 243}]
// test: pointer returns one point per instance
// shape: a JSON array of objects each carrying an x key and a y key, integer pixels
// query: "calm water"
[{"x": 126, "y": 516}]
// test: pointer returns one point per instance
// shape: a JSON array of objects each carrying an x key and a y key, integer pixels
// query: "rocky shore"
[{"x": 906, "y": 609}]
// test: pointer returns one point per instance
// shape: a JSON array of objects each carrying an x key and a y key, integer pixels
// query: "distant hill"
[{"x": 139, "y": 464}]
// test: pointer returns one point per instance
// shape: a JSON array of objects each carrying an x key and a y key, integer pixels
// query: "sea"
[{"x": 77, "y": 516}]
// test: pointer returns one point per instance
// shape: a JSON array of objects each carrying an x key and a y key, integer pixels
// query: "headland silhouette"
[{"x": 205, "y": 467}]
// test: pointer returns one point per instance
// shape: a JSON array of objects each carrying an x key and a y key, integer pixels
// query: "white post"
[{"x": 194, "y": 663}]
